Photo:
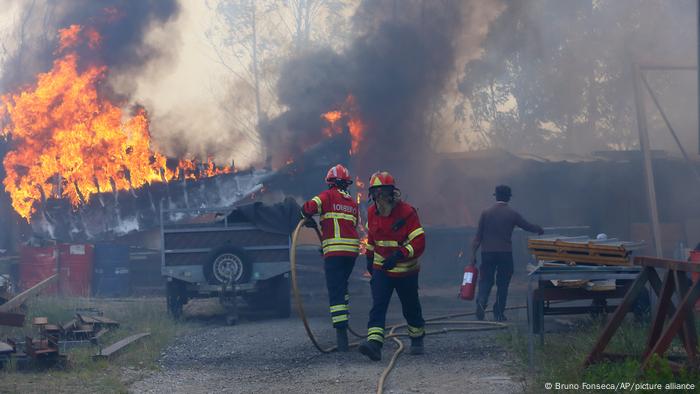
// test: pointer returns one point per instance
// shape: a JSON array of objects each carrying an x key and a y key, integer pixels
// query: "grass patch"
[
  {"x": 83, "y": 375},
  {"x": 560, "y": 360}
]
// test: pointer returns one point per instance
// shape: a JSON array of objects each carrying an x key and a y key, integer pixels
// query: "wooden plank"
[
  {"x": 23, "y": 296},
  {"x": 583, "y": 258},
  {"x": 678, "y": 265},
  {"x": 617, "y": 318},
  {"x": 98, "y": 320},
  {"x": 117, "y": 346}
]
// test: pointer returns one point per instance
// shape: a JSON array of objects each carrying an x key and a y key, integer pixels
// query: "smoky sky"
[
  {"x": 395, "y": 68},
  {"x": 123, "y": 25}
]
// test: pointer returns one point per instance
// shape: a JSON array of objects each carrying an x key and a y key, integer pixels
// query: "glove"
[
  {"x": 391, "y": 261},
  {"x": 370, "y": 263},
  {"x": 310, "y": 223}
]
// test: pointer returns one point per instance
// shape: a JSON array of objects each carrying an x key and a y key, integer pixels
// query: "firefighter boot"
[
  {"x": 371, "y": 349},
  {"x": 417, "y": 345},
  {"x": 341, "y": 335}
]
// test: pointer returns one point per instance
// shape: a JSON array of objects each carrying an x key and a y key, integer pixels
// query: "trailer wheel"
[
  {"x": 176, "y": 297},
  {"x": 226, "y": 265}
]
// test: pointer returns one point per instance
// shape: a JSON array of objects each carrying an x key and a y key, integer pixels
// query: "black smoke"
[
  {"x": 122, "y": 24},
  {"x": 396, "y": 68}
]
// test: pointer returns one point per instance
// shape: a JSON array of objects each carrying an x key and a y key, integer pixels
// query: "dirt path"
[{"x": 274, "y": 355}]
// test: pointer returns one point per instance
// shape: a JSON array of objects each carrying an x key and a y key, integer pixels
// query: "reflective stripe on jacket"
[
  {"x": 402, "y": 231},
  {"x": 339, "y": 217}
]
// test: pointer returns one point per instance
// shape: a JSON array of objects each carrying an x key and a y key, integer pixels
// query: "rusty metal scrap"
[{"x": 11, "y": 319}]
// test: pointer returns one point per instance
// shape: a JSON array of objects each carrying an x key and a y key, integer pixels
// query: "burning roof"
[{"x": 70, "y": 141}]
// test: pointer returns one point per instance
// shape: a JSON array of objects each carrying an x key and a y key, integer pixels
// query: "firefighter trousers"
[
  {"x": 383, "y": 287},
  {"x": 338, "y": 270},
  {"x": 500, "y": 265}
]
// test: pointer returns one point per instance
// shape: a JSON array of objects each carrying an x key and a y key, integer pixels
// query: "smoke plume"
[
  {"x": 397, "y": 68},
  {"x": 121, "y": 24}
]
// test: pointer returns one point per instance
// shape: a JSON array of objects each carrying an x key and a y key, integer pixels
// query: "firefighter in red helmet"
[
  {"x": 339, "y": 217},
  {"x": 395, "y": 242}
]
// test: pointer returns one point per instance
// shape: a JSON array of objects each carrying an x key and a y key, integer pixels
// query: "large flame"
[
  {"x": 71, "y": 142},
  {"x": 349, "y": 113}
]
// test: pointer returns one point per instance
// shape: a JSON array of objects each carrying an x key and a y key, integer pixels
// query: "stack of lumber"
[{"x": 582, "y": 250}]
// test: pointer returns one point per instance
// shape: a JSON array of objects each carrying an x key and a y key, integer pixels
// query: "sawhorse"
[{"x": 669, "y": 320}]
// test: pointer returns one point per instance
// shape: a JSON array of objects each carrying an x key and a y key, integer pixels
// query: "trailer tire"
[
  {"x": 225, "y": 263},
  {"x": 176, "y": 297}
]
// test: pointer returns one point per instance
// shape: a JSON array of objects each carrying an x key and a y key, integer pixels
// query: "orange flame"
[
  {"x": 70, "y": 142},
  {"x": 354, "y": 124},
  {"x": 68, "y": 37}
]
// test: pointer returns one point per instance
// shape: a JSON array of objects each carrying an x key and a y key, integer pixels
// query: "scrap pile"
[{"x": 44, "y": 351}]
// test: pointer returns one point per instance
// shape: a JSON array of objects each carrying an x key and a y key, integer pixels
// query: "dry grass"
[
  {"x": 561, "y": 359},
  {"x": 83, "y": 375}
]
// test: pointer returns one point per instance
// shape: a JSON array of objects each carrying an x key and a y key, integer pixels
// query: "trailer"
[{"x": 233, "y": 253}]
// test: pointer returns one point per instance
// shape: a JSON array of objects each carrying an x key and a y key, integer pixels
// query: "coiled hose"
[{"x": 467, "y": 325}]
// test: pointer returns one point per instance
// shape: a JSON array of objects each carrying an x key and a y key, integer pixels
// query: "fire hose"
[{"x": 439, "y": 320}]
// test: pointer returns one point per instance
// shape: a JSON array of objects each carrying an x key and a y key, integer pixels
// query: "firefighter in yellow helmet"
[{"x": 395, "y": 242}]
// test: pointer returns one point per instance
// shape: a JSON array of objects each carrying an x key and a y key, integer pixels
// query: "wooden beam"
[
  {"x": 644, "y": 146},
  {"x": 117, "y": 346},
  {"x": 689, "y": 336},
  {"x": 23, "y": 296},
  {"x": 663, "y": 308},
  {"x": 676, "y": 265},
  {"x": 617, "y": 318}
]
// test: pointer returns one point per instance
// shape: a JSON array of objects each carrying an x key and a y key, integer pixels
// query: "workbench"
[{"x": 538, "y": 297}]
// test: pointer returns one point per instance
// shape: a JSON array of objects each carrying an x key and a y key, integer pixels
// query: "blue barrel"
[{"x": 110, "y": 275}]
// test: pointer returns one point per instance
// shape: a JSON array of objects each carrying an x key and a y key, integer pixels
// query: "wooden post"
[{"x": 646, "y": 156}]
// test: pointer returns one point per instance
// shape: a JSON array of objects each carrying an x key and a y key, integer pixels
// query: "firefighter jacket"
[
  {"x": 339, "y": 217},
  {"x": 401, "y": 231}
]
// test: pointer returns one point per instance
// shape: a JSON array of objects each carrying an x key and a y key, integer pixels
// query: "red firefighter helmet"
[
  {"x": 381, "y": 178},
  {"x": 338, "y": 173}
]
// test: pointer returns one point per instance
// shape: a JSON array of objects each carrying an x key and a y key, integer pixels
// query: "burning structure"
[{"x": 81, "y": 162}]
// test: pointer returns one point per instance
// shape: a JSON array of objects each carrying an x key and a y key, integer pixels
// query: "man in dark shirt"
[{"x": 494, "y": 237}]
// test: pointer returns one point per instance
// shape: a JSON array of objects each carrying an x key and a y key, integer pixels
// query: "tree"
[
  {"x": 565, "y": 69},
  {"x": 251, "y": 39}
]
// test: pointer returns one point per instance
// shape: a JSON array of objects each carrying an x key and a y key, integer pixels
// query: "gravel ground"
[{"x": 275, "y": 356}]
